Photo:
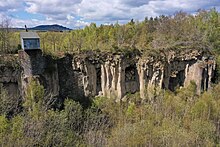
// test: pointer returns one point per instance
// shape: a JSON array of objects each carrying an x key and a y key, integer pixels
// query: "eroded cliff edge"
[
  {"x": 117, "y": 75},
  {"x": 112, "y": 75}
]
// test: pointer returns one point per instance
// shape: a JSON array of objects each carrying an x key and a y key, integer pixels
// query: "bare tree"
[{"x": 5, "y": 35}]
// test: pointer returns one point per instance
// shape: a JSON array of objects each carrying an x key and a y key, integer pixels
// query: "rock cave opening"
[
  {"x": 176, "y": 80},
  {"x": 130, "y": 73},
  {"x": 131, "y": 79},
  {"x": 98, "y": 80},
  {"x": 205, "y": 81}
]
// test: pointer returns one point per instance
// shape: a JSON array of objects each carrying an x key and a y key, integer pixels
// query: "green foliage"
[
  {"x": 34, "y": 97},
  {"x": 172, "y": 119},
  {"x": 9, "y": 61},
  {"x": 4, "y": 127},
  {"x": 177, "y": 32},
  {"x": 180, "y": 31},
  {"x": 180, "y": 118},
  {"x": 10, "y": 105}
]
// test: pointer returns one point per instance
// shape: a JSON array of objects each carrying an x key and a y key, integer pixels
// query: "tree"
[
  {"x": 5, "y": 35},
  {"x": 10, "y": 105}
]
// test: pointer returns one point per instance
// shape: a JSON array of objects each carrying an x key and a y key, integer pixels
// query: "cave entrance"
[
  {"x": 131, "y": 79},
  {"x": 130, "y": 74},
  {"x": 98, "y": 80},
  {"x": 177, "y": 80},
  {"x": 205, "y": 80}
]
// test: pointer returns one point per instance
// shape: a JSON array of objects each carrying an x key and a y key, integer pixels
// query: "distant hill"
[{"x": 54, "y": 27}]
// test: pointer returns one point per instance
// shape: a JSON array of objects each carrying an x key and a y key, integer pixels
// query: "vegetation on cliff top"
[{"x": 179, "y": 31}]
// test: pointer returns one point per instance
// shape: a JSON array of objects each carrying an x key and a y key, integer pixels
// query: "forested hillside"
[
  {"x": 173, "y": 119},
  {"x": 201, "y": 31},
  {"x": 179, "y": 118},
  {"x": 181, "y": 30}
]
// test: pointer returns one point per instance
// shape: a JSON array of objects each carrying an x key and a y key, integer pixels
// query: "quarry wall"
[{"x": 112, "y": 75}]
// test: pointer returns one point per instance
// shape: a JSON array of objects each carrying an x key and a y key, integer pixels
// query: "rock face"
[
  {"x": 177, "y": 71},
  {"x": 41, "y": 68},
  {"x": 10, "y": 75},
  {"x": 108, "y": 75},
  {"x": 69, "y": 80},
  {"x": 117, "y": 75},
  {"x": 92, "y": 74}
]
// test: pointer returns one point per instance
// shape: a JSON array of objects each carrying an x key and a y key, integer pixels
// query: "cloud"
[
  {"x": 171, "y": 6},
  {"x": 138, "y": 9},
  {"x": 134, "y": 3},
  {"x": 81, "y": 12},
  {"x": 104, "y": 10},
  {"x": 15, "y": 22},
  {"x": 52, "y": 8},
  {"x": 35, "y": 22},
  {"x": 57, "y": 11},
  {"x": 9, "y": 5}
]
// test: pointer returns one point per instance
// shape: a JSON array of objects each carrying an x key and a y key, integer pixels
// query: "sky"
[{"x": 79, "y": 13}]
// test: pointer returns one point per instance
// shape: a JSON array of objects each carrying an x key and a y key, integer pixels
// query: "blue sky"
[{"x": 79, "y": 13}]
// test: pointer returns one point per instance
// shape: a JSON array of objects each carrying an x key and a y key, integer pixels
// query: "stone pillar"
[
  {"x": 142, "y": 80},
  {"x": 104, "y": 79},
  {"x": 195, "y": 73},
  {"x": 90, "y": 80}
]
